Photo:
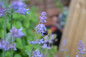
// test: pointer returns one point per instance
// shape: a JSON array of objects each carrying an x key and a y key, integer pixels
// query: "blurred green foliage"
[{"x": 59, "y": 5}]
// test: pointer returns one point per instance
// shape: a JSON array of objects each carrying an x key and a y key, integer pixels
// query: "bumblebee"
[{"x": 45, "y": 33}]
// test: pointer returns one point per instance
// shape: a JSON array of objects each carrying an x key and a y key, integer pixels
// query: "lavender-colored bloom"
[
  {"x": 80, "y": 48},
  {"x": 40, "y": 28},
  {"x": 49, "y": 39},
  {"x": 43, "y": 13},
  {"x": 77, "y": 56},
  {"x": 46, "y": 41},
  {"x": 40, "y": 41},
  {"x": 49, "y": 47},
  {"x": 1, "y": 11},
  {"x": 5, "y": 45},
  {"x": 12, "y": 46},
  {"x": 16, "y": 32},
  {"x": 36, "y": 53},
  {"x": 43, "y": 17},
  {"x": 44, "y": 46},
  {"x": 22, "y": 11},
  {"x": 19, "y": 7},
  {"x": 32, "y": 42}
]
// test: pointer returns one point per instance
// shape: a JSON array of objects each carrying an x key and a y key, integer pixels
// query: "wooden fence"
[{"x": 75, "y": 28}]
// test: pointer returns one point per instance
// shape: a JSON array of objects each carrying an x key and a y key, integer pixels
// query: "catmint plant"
[
  {"x": 7, "y": 43},
  {"x": 40, "y": 29},
  {"x": 44, "y": 42},
  {"x": 19, "y": 7}
]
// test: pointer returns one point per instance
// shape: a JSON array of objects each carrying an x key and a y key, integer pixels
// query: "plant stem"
[
  {"x": 42, "y": 50},
  {"x": 3, "y": 53},
  {"x": 11, "y": 18},
  {"x": 11, "y": 51},
  {"x": 5, "y": 22},
  {"x": 32, "y": 45}
]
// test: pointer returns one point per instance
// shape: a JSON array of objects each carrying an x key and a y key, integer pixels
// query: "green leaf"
[
  {"x": 19, "y": 44},
  {"x": 28, "y": 52},
  {"x": 7, "y": 54},
  {"x": 17, "y": 55}
]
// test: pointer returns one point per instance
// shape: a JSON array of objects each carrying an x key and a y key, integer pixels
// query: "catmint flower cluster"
[
  {"x": 40, "y": 41},
  {"x": 40, "y": 28},
  {"x": 46, "y": 46},
  {"x": 17, "y": 33},
  {"x": 48, "y": 39},
  {"x": 36, "y": 53},
  {"x": 2, "y": 10},
  {"x": 80, "y": 48},
  {"x": 5, "y": 45},
  {"x": 43, "y": 17},
  {"x": 19, "y": 7},
  {"x": 44, "y": 41}
]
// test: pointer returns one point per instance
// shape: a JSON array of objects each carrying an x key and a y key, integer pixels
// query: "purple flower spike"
[
  {"x": 1, "y": 11},
  {"x": 36, "y": 53},
  {"x": 43, "y": 17},
  {"x": 80, "y": 48},
  {"x": 40, "y": 28},
  {"x": 16, "y": 33},
  {"x": 19, "y": 7}
]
